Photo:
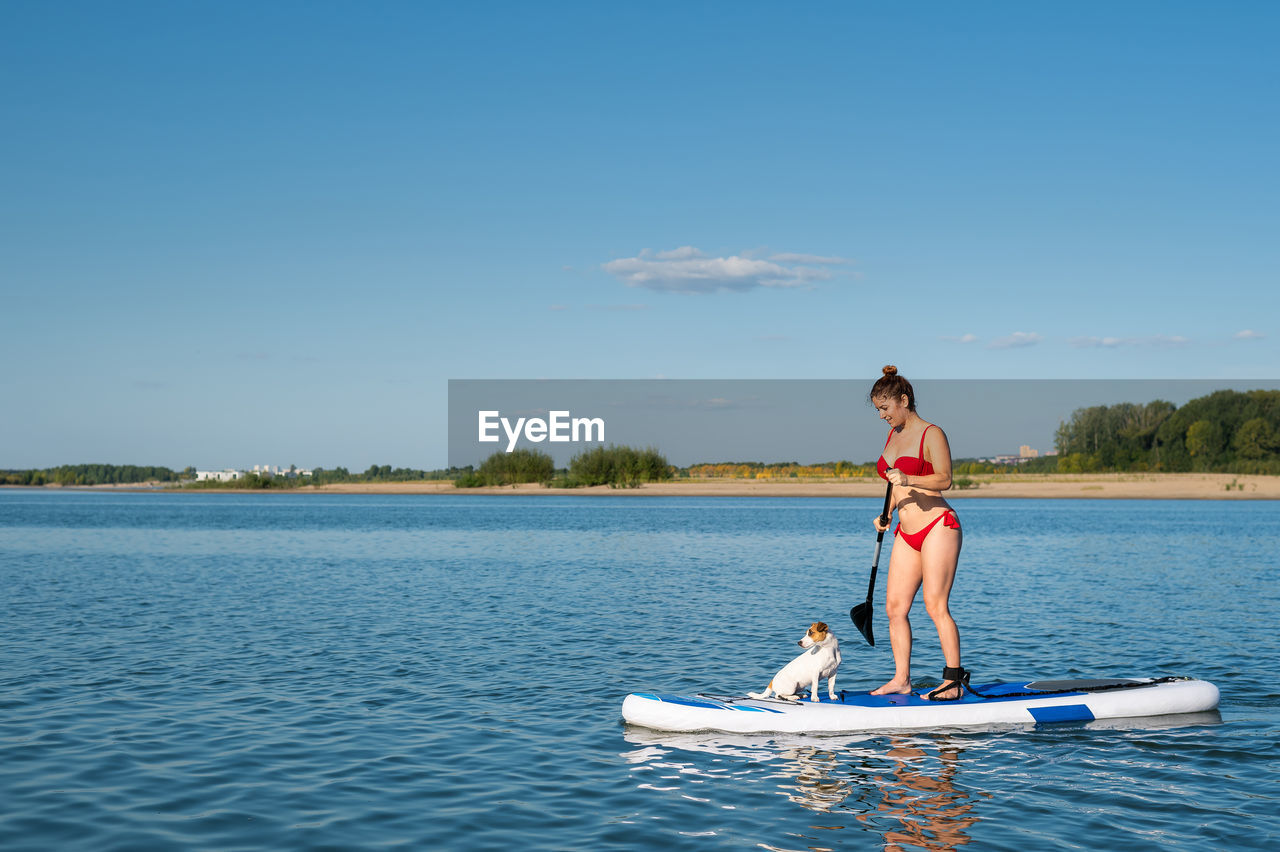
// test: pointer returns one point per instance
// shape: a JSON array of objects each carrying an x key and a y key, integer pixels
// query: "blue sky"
[{"x": 236, "y": 233}]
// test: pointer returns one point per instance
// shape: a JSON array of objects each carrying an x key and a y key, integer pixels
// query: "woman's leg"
[
  {"x": 939, "y": 555},
  {"x": 901, "y": 587}
]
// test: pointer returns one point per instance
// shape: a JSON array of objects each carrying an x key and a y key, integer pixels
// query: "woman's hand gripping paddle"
[{"x": 861, "y": 614}]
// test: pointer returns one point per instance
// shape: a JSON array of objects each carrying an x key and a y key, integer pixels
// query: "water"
[{"x": 298, "y": 671}]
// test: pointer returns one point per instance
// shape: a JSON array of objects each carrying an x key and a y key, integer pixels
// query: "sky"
[{"x": 271, "y": 233}]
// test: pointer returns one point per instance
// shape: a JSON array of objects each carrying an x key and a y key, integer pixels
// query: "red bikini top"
[{"x": 910, "y": 466}]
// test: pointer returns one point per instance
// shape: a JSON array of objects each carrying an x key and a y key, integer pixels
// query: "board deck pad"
[
  {"x": 981, "y": 693},
  {"x": 1098, "y": 683}
]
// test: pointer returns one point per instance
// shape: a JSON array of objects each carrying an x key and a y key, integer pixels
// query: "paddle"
[{"x": 861, "y": 614}]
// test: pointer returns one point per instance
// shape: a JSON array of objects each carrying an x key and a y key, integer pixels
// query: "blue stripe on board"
[
  {"x": 688, "y": 701},
  {"x": 1063, "y": 713},
  {"x": 691, "y": 701}
]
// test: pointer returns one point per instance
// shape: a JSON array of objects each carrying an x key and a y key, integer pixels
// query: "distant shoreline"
[{"x": 1048, "y": 486}]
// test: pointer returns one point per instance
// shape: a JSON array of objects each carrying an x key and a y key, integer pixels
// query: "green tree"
[
  {"x": 619, "y": 466},
  {"x": 522, "y": 465},
  {"x": 1204, "y": 440},
  {"x": 1255, "y": 439},
  {"x": 1229, "y": 410},
  {"x": 1117, "y": 437}
]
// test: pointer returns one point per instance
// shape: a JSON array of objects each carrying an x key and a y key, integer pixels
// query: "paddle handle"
[
  {"x": 888, "y": 496},
  {"x": 875, "y": 560}
]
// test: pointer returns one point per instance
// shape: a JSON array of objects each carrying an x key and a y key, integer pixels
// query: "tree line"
[
  {"x": 110, "y": 474},
  {"x": 92, "y": 474},
  {"x": 381, "y": 473},
  {"x": 1225, "y": 432},
  {"x": 615, "y": 466},
  {"x": 328, "y": 476},
  {"x": 779, "y": 470}
]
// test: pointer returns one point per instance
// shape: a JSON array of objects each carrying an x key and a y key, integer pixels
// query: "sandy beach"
[
  {"x": 1119, "y": 486},
  {"x": 1047, "y": 486}
]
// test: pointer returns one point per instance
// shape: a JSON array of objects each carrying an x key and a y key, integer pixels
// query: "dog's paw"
[{"x": 757, "y": 695}]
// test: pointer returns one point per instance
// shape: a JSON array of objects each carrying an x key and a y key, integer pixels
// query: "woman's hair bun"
[{"x": 893, "y": 386}]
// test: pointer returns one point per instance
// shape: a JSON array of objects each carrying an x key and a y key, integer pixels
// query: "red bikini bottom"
[{"x": 915, "y": 540}]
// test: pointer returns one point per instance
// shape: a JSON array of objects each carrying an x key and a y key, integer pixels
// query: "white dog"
[{"x": 820, "y": 660}]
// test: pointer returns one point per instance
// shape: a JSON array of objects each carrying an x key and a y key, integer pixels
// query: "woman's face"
[{"x": 892, "y": 410}]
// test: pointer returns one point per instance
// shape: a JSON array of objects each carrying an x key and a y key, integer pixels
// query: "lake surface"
[{"x": 305, "y": 672}]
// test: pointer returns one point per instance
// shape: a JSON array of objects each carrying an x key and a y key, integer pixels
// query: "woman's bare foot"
[
  {"x": 949, "y": 691},
  {"x": 894, "y": 687}
]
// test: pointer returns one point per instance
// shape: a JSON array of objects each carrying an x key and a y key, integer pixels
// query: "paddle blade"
[{"x": 861, "y": 615}]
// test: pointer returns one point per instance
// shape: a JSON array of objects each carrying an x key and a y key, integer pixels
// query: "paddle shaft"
[
  {"x": 875, "y": 560},
  {"x": 861, "y": 614}
]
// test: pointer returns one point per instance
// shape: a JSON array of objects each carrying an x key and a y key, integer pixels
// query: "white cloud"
[
  {"x": 682, "y": 253},
  {"x": 687, "y": 270},
  {"x": 1248, "y": 334},
  {"x": 807, "y": 258},
  {"x": 1016, "y": 340},
  {"x": 964, "y": 338},
  {"x": 1166, "y": 340},
  {"x": 1096, "y": 342}
]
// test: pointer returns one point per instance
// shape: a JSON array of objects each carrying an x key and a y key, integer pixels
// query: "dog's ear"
[{"x": 821, "y": 627}]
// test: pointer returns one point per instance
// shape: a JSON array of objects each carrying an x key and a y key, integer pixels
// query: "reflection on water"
[
  {"x": 906, "y": 794},
  {"x": 819, "y": 785},
  {"x": 901, "y": 788},
  {"x": 924, "y": 801},
  {"x": 910, "y": 791}
]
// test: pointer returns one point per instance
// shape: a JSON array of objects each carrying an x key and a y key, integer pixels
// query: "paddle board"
[{"x": 1021, "y": 702}]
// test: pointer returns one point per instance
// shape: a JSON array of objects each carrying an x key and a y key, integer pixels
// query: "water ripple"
[{"x": 250, "y": 672}]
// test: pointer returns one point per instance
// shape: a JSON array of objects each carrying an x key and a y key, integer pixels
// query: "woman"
[{"x": 917, "y": 460}]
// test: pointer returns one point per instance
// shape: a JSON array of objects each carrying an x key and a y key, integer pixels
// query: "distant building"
[
  {"x": 220, "y": 475},
  {"x": 276, "y": 470},
  {"x": 1025, "y": 454}
]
